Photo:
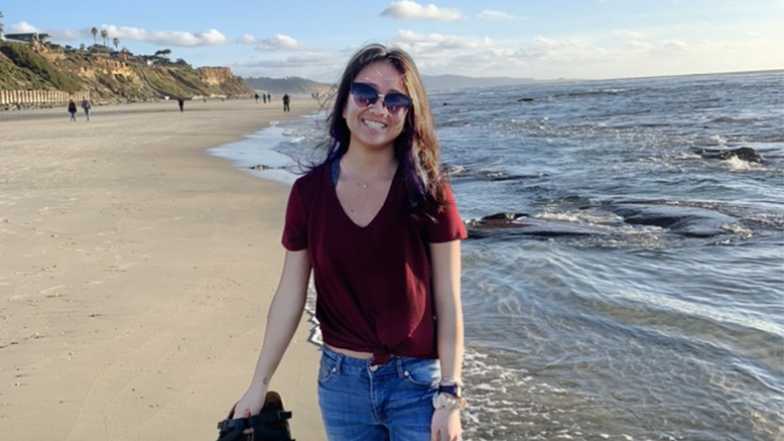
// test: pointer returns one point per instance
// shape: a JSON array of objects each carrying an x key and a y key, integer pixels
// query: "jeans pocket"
[
  {"x": 423, "y": 372},
  {"x": 328, "y": 369}
]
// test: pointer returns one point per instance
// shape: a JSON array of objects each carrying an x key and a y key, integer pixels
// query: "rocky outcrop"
[{"x": 214, "y": 76}]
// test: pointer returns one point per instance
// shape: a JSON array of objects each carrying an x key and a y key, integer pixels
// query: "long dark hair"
[{"x": 416, "y": 148}]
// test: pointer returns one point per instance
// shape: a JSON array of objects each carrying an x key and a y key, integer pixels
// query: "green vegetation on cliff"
[{"x": 22, "y": 65}]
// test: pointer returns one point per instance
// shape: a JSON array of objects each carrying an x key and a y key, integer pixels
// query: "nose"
[{"x": 378, "y": 106}]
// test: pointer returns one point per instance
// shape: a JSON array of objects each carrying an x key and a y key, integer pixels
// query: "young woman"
[{"x": 378, "y": 225}]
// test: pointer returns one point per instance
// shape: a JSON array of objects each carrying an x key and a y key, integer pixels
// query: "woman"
[{"x": 380, "y": 229}]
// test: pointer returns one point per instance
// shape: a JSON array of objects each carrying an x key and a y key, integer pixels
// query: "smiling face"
[{"x": 373, "y": 126}]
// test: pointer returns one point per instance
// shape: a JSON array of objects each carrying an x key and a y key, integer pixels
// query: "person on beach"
[
  {"x": 72, "y": 109},
  {"x": 181, "y": 104},
  {"x": 286, "y": 101},
  {"x": 86, "y": 105},
  {"x": 257, "y": 97},
  {"x": 378, "y": 225}
]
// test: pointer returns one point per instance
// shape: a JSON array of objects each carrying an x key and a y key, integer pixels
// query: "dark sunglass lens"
[
  {"x": 364, "y": 94},
  {"x": 397, "y": 101}
]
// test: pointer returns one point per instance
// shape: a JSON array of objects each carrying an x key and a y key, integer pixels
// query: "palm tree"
[
  {"x": 116, "y": 42},
  {"x": 94, "y": 31},
  {"x": 104, "y": 34}
]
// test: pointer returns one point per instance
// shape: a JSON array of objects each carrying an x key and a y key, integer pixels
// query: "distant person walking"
[
  {"x": 257, "y": 97},
  {"x": 181, "y": 103},
  {"x": 286, "y": 101},
  {"x": 269, "y": 97},
  {"x": 72, "y": 109},
  {"x": 86, "y": 105}
]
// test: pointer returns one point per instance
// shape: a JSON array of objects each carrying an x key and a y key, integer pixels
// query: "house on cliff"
[{"x": 26, "y": 38}]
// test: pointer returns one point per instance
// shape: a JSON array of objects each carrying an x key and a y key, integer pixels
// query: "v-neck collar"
[{"x": 332, "y": 177}]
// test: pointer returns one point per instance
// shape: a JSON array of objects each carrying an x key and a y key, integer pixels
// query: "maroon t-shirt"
[{"x": 374, "y": 283}]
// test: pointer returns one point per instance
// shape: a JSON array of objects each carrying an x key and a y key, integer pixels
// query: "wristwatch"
[
  {"x": 453, "y": 389},
  {"x": 449, "y": 396}
]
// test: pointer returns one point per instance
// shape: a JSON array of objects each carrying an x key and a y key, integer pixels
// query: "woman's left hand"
[{"x": 446, "y": 425}]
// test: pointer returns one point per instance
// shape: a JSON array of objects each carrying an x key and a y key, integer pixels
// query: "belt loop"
[{"x": 339, "y": 363}]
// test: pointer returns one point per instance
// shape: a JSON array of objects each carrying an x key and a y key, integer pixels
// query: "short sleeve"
[
  {"x": 295, "y": 231},
  {"x": 448, "y": 225}
]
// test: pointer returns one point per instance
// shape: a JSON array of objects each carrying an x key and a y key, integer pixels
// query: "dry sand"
[{"x": 135, "y": 274}]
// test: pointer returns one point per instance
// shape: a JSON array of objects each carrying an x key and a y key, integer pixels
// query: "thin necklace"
[{"x": 364, "y": 186}]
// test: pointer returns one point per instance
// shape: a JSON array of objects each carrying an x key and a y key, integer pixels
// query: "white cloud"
[
  {"x": 278, "y": 42},
  {"x": 247, "y": 39},
  {"x": 23, "y": 27},
  {"x": 64, "y": 34},
  {"x": 429, "y": 42},
  {"x": 628, "y": 35},
  {"x": 211, "y": 37},
  {"x": 491, "y": 15},
  {"x": 323, "y": 66},
  {"x": 411, "y": 10}
]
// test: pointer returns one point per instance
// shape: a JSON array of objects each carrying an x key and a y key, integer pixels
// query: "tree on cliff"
[
  {"x": 104, "y": 34},
  {"x": 94, "y": 31},
  {"x": 116, "y": 42},
  {"x": 163, "y": 53}
]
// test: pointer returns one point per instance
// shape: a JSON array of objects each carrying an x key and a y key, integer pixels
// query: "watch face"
[{"x": 448, "y": 401}]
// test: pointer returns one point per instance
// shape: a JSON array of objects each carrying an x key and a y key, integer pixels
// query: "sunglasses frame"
[{"x": 380, "y": 96}]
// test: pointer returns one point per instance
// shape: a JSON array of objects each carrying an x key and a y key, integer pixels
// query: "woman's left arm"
[{"x": 446, "y": 286}]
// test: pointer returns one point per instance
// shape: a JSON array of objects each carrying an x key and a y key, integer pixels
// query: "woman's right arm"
[{"x": 283, "y": 318}]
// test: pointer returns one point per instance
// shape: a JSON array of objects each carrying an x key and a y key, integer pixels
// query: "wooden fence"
[{"x": 27, "y": 98}]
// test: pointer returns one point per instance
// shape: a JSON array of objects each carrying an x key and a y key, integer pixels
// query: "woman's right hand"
[{"x": 251, "y": 402}]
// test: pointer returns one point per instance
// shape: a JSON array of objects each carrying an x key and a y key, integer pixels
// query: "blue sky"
[{"x": 526, "y": 39}]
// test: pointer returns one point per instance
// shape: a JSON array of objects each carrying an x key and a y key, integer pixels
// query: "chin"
[{"x": 375, "y": 142}]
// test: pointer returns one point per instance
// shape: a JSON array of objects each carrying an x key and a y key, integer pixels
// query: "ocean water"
[{"x": 638, "y": 294}]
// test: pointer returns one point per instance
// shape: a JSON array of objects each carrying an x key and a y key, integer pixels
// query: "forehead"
[{"x": 383, "y": 75}]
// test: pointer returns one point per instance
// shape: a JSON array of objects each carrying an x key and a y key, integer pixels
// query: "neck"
[{"x": 368, "y": 163}]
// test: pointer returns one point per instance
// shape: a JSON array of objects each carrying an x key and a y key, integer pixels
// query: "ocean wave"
[
  {"x": 733, "y": 120},
  {"x": 738, "y": 229},
  {"x": 736, "y": 164},
  {"x": 582, "y": 216}
]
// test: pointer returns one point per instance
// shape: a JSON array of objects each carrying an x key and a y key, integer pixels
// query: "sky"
[{"x": 548, "y": 39}]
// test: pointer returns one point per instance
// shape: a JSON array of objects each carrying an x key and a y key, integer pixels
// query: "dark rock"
[
  {"x": 685, "y": 221},
  {"x": 744, "y": 153},
  {"x": 513, "y": 224}
]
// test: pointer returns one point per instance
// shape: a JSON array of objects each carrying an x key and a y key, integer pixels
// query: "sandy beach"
[{"x": 135, "y": 274}]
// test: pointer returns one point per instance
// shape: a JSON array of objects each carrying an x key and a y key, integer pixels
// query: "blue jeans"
[{"x": 364, "y": 402}]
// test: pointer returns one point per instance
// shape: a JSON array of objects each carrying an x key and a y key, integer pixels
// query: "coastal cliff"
[{"x": 111, "y": 76}]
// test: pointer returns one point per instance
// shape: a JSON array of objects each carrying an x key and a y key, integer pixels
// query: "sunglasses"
[{"x": 366, "y": 95}]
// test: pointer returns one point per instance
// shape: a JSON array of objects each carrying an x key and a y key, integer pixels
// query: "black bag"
[{"x": 271, "y": 424}]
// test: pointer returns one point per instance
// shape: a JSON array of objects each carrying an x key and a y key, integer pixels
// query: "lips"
[{"x": 374, "y": 124}]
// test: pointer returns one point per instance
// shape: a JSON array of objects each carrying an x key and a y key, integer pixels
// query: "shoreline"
[{"x": 136, "y": 273}]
